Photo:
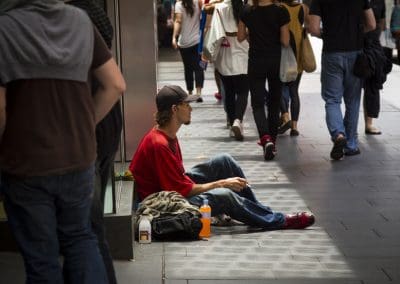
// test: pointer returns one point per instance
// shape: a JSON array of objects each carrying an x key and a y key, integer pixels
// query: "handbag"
[
  {"x": 307, "y": 54},
  {"x": 288, "y": 65},
  {"x": 214, "y": 37},
  {"x": 183, "y": 226}
]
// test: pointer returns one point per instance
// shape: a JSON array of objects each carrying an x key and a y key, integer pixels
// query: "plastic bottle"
[
  {"x": 205, "y": 210},
  {"x": 144, "y": 230}
]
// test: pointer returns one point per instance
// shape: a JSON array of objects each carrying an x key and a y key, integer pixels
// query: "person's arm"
[
  {"x": 233, "y": 183},
  {"x": 285, "y": 35},
  {"x": 177, "y": 29},
  {"x": 242, "y": 32},
  {"x": 112, "y": 85},
  {"x": 369, "y": 20},
  {"x": 314, "y": 25},
  {"x": 2, "y": 111}
]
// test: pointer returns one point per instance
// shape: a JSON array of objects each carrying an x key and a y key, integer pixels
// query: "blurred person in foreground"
[{"x": 48, "y": 51}]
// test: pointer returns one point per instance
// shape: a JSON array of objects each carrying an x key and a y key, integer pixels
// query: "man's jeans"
[
  {"x": 242, "y": 206},
  {"x": 338, "y": 81},
  {"x": 49, "y": 215}
]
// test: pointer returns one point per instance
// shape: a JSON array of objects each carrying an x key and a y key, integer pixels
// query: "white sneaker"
[{"x": 237, "y": 129}]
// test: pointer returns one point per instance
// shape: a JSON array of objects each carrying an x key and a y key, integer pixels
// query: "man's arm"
[
  {"x": 369, "y": 19},
  {"x": 234, "y": 183},
  {"x": 112, "y": 85},
  {"x": 2, "y": 111},
  {"x": 314, "y": 25}
]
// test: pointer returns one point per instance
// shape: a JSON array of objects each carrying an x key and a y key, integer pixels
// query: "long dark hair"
[
  {"x": 189, "y": 6},
  {"x": 237, "y": 6}
]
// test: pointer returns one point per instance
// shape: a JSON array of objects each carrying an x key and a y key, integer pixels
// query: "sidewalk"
[{"x": 355, "y": 201}]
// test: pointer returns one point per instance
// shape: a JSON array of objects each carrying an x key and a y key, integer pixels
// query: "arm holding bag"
[{"x": 288, "y": 67}]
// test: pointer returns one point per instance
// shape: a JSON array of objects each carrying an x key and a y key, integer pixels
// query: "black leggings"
[
  {"x": 236, "y": 95},
  {"x": 191, "y": 59},
  {"x": 294, "y": 99}
]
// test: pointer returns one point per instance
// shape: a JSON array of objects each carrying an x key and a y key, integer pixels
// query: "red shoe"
[
  {"x": 218, "y": 96},
  {"x": 299, "y": 220}
]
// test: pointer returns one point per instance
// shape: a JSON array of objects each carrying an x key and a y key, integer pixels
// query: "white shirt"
[
  {"x": 190, "y": 26},
  {"x": 231, "y": 60}
]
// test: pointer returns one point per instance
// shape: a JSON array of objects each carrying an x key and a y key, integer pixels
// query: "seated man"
[{"x": 157, "y": 165}]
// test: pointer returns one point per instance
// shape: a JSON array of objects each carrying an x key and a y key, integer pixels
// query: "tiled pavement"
[{"x": 355, "y": 201}]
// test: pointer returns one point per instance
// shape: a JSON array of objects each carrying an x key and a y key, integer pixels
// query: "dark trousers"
[
  {"x": 191, "y": 58},
  {"x": 236, "y": 95},
  {"x": 261, "y": 70},
  {"x": 49, "y": 215},
  {"x": 102, "y": 174},
  {"x": 294, "y": 99}
]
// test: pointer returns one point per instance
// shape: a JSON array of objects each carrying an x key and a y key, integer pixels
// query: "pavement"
[{"x": 355, "y": 239}]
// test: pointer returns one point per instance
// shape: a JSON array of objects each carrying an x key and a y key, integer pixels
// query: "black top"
[
  {"x": 264, "y": 23},
  {"x": 342, "y": 22}
]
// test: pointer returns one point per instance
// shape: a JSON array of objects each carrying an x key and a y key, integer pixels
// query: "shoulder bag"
[{"x": 307, "y": 54}]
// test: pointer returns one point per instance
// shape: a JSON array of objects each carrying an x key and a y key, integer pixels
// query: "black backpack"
[{"x": 178, "y": 227}]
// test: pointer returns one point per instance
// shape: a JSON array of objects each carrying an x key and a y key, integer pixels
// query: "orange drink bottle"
[{"x": 205, "y": 210}]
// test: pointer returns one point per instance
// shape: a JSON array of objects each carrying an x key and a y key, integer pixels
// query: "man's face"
[{"x": 183, "y": 113}]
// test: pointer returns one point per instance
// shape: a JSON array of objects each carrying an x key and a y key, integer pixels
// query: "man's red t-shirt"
[{"x": 157, "y": 165}]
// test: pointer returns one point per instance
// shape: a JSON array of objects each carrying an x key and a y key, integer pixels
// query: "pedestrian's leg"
[
  {"x": 332, "y": 77},
  {"x": 82, "y": 259},
  {"x": 229, "y": 97},
  {"x": 352, "y": 97},
  {"x": 241, "y": 85},
  {"x": 187, "y": 66},
  {"x": 31, "y": 215}
]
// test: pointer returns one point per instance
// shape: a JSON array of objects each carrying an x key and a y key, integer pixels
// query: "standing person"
[
  {"x": 371, "y": 102},
  {"x": 298, "y": 16},
  {"x": 157, "y": 166},
  {"x": 268, "y": 30},
  {"x": 108, "y": 133},
  {"x": 341, "y": 45},
  {"x": 187, "y": 27},
  {"x": 231, "y": 63},
  {"x": 47, "y": 165}
]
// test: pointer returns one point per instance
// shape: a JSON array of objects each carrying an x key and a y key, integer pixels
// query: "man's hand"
[{"x": 235, "y": 183}]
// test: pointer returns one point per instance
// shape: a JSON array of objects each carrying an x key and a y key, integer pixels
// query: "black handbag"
[{"x": 184, "y": 226}]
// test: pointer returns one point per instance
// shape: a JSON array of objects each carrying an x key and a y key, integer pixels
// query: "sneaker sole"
[
  {"x": 238, "y": 134},
  {"x": 269, "y": 152},
  {"x": 337, "y": 151}
]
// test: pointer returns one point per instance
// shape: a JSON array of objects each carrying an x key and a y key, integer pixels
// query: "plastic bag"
[{"x": 288, "y": 66}]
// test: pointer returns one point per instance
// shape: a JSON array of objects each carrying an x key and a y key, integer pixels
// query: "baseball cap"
[{"x": 172, "y": 95}]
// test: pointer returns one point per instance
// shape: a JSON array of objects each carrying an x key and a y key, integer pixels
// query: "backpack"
[{"x": 177, "y": 227}]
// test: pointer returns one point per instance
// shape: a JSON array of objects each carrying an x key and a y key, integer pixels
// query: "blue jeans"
[
  {"x": 338, "y": 81},
  {"x": 49, "y": 215},
  {"x": 242, "y": 206}
]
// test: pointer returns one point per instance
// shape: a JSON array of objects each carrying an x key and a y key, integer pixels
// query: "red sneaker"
[
  {"x": 218, "y": 96},
  {"x": 299, "y": 220}
]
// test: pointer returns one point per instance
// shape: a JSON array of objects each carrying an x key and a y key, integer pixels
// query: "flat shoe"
[
  {"x": 284, "y": 127},
  {"x": 373, "y": 132},
  {"x": 294, "y": 132}
]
